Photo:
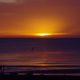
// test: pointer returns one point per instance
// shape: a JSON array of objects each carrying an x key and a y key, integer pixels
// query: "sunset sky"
[{"x": 28, "y": 17}]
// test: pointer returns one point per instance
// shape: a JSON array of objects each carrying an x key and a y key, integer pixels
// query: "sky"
[{"x": 28, "y": 17}]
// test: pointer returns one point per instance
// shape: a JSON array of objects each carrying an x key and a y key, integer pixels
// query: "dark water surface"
[
  {"x": 45, "y": 54},
  {"x": 43, "y": 58},
  {"x": 39, "y": 51}
]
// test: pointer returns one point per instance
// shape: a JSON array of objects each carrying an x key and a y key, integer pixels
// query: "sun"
[{"x": 43, "y": 34}]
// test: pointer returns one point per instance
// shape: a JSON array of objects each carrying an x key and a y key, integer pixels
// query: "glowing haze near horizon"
[{"x": 28, "y": 17}]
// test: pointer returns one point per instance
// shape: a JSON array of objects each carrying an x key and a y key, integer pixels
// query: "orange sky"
[{"x": 27, "y": 17}]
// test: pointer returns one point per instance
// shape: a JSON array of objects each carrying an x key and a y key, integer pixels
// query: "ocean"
[{"x": 44, "y": 55}]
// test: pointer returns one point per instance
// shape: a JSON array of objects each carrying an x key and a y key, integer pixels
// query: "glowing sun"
[{"x": 43, "y": 34}]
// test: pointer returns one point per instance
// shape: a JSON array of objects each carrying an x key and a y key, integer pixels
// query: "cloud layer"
[{"x": 8, "y": 1}]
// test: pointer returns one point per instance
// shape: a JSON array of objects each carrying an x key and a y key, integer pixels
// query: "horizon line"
[{"x": 36, "y": 36}]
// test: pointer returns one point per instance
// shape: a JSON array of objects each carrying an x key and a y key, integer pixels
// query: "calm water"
[
  {"x": 46, "y": 54},
  {"x": 61, "y": 62},
  {"x": 40, "y": 58}
]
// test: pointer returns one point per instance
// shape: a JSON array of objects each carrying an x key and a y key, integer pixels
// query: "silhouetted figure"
[{"x": 32, "y": 49}]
